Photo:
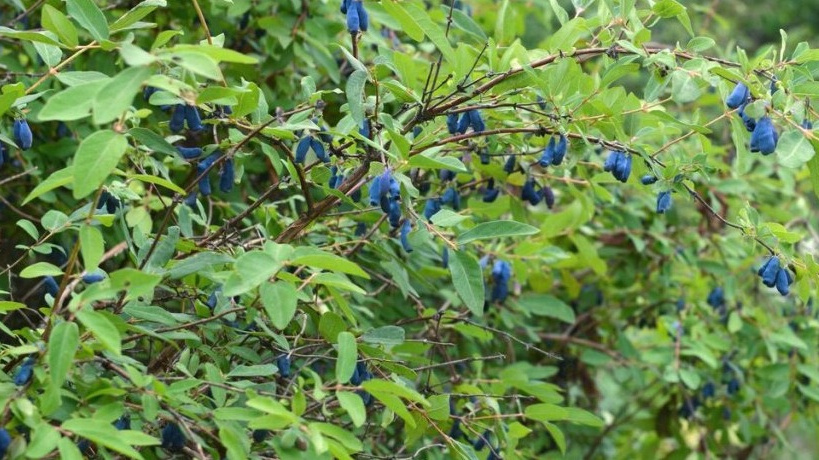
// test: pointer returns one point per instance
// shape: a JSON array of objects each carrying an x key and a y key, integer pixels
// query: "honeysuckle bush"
[{"x": 472, "y": 229}]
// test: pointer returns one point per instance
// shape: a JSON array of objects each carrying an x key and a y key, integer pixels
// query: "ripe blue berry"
[
  {"x": 738, "y": 96},
  {"x": 192, "y": 118},
  {"x": 530, "y": 193},
  {"x": 432, "y": 206},
  {"x": 509, "y": 166},
  {"x": 452, "y": 123},
  {"x": 173, "y": 438},
  {"x": 91, "y": 278},
  {"x": 227, "y": 176},
  {"x": 501, "y": 274},
  {"x": 783, "y": 281},
  {"x": 318, "y": 149},
  {"x": 769, "y": 271},
  {"x": 405, "y": 230},
  {"x": 189, "y": 153},
  {"x": 452, "y": 198},
  {"x": 22, "y": 134},
  {"x": 548, "y": 155},
  {"x": 648, "y": 179},
  {"x": 177, "y": 122},
  {"x": 663, "y": 202},
  {"x": 5, "y": 442},
  {"x": 764, "y": 137},
  {"x": 716, "y": 298},
  {"x": 301, "y": 149},
  {"x": 283, "y": 363},
  {"x": 24, "y": 373},
  {"x": 51, "y": 286}
]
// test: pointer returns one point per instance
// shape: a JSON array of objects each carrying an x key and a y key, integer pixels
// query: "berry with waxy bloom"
[
  {"x": 177, "y": 122},
  {"x": 648, "y": 179},
  {"x": 283, "y": 363},
  {"x": 5, "y": 442},
  {"x": 738, "y": 96},
  {"x": 769, "y": 271},
  {"x": 405, "y": 230},
  {"x": 173, "y": 438},
  {"x": 227, "y": 176},
  {"x": 783, "y": 281},
  {"x": 530, "y": 193},
  {"x": 189, "y": 153},
  {"x": 548, "y": 155},
  {"x": 452, "y": 198},
  {"x": 24, "y": 373},
  {"x": 192, "y": 118},
  {"x": 432, "y": 206},
  {"x": 716, "y": 298},
  {"x": 509, "y": 166},
  {"x": 764, "y": 136},
  {"x": 663, "y": 202},
  {"x": 22, "y": 134},
  {"x": 501, "y": 274},
  {"x": 452, "y": 123}
]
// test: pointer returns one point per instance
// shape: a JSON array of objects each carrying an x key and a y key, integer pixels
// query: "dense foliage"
[{"x": 405, "y": 229}]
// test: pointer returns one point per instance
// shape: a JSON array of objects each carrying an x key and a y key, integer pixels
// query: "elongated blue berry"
[
  {"x": 177, "y": 122},
  {"x": 764, "y": 137},
  {"x": 22, "y": 134},
  {"x": 452, "y": 123},
  {"x": 463, "y": 124},
  {"x": 452, "y": 198},
  {"x": 807, "y": 124},
  {"x": 611, "y": 161},
  {"x": 51, "y": 286},
  {"x": 227, "y": 176},
  {"x": 345, "y": 5},
  {"x": 783, "y": 281},
  {"x": 5, "y": 442},
  {"x": 432, "y": 206},
  {"x": 318, "y": 149},
  {"x": 301, "y": 149},
  {"x": 363, "y": 17},
  {"x": 283, "y": 363},
  {"x": 375, "y": 191},
  {"x": 394, "y": 214},
  {"x": 445, "y": 257},
  {"x": 708, "y": 390},
  {"x": 501, "y": 274},
  {"x": 189, "y": 153},
  {"x": 648, "y": 179},
  {"x": 192, "y": 118},
  {"x": 769, "y": 271},
  {"x": 548, "y": 196},
  {"x": 91, "y": 278},
  {"x": 509, "y": 166},
  {"x": 738, "y": 96},
  {"x": 663, "y": 202},
  {"x": 530, "y": 193},
  {"x": 364, "y": 129},
  {"x": 560, "y": 150},
  {"x": 353, "y": 25},
  {"x": 548, "y": 155},
  {"x": 24, "y": 373},
  {"x": 405, "y": 231},
  {"x": 173, "y": 438},
  {"x": 476, "y": 121}
]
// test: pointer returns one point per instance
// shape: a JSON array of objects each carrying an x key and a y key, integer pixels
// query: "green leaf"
[
  {"x": 408, "y": 23},
  {"x": 447, "y": 218},
  {"x": 96, "y": 158},
  {"x": 62, "y": 345},
  {"x": 92, "y": 247},
  {"x": 253, "y": 371},
  {"x": 347, "y": 356},
  {"x": 355, "y": 95},
  {"x": 467, "y": 277},
  {"x": 90, "y": 17},
  {"x": 104, "y": 434},
  {"x": 136, "y": 14},
  {"x": 330, "y": 326},
  {"x": 102, "y": 328},
  {"x": 813, "y": 166},
  {"x": 39, "y": 269},
  {"x": 72, "y": 103},
  {"x": 496, "y": 229},
  {"x": 385, "y": 335},
  {"x": 557, "y": 435},
  {"x": 56, "y": 179},
  {"x": 354, "y": 406},
  {"x": 684, "y": 87},
  {"x": 158, "y": 181},
  {"x": 118, "y": 94},
  {"x": 280, "y": 300},
  {"x": 427, "y": 161},
  {"x": 546, "y": 412},
  {"x": 432, "y": 30},
  {"x": 328, "y": 261},
  {"x": 387, "y": 386},
  {"x": 153, "y": 141},
  {"x": 546, "y": 305},
  {"x": 55, "y": 21},
  {"x": 794, "y": 149}
]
